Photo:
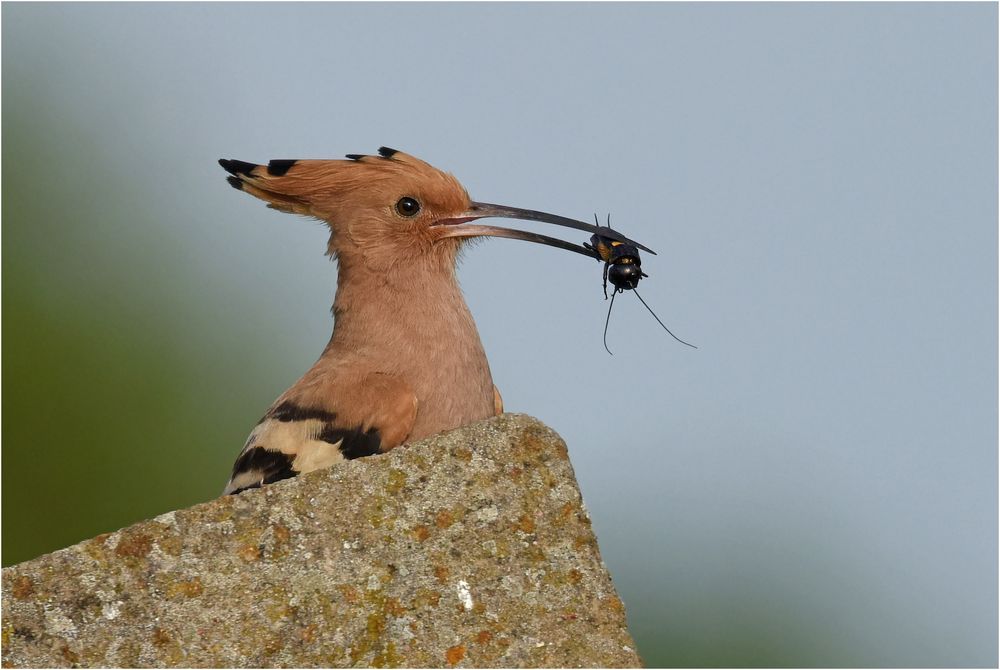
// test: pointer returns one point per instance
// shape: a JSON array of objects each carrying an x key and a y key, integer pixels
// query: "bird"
[{"x": 405, "y": 360}]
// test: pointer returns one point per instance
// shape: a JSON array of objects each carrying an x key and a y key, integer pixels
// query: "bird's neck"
[
  {"x": 413, "y": 322},
  {"x": 374, "y": 309}
]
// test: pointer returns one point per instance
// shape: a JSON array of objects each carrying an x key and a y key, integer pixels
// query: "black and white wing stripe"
[{"x": 291, "y": 440}]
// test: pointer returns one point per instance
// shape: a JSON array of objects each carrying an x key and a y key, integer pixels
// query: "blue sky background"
[{"x": 815, "y": 485}]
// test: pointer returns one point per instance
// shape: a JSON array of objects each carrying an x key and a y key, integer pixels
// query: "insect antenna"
[
  {"x": 607, "y": 321},
  {"x": 655, "y": 317}
]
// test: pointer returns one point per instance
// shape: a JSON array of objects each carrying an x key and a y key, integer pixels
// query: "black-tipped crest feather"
[
  {"x": 280, "y": 166},
  {"x": 233, "y": 166}
]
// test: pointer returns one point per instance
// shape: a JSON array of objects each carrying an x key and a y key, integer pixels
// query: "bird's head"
[{"x": 387, "y": 210}]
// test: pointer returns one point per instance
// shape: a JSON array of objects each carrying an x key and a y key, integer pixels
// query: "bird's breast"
[
  {"x": 423, "y": 332},
  {"x": 451, "y": 377}
]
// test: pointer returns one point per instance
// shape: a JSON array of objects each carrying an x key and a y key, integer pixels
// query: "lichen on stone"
[{"x": 469, "y": 549}]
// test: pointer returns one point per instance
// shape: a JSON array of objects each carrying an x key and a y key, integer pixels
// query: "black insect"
[{"x": 623, "y": 268}]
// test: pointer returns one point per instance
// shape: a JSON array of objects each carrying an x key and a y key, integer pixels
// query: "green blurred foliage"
[{"x": 107, "y": 345}]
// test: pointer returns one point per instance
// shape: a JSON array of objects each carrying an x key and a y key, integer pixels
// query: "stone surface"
[{"x": 468, "y": 549}]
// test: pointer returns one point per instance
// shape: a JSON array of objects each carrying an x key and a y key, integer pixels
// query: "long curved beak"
[{"x": 459, "y": 227}]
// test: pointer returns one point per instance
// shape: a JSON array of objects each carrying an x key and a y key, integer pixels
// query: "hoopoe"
[{"x": 405, "y": 360}]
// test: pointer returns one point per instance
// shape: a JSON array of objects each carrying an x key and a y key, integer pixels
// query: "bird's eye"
[{"x": 407, "y": 206}]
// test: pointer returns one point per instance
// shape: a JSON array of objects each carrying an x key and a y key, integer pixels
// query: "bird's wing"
[{"x": 321, "y": 421}]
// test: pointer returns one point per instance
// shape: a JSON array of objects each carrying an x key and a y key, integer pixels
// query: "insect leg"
[
  {"x": 607, "y": 321},
  {"x": 658, "y": 321}
]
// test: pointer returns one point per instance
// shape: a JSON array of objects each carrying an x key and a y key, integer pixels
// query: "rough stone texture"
[{"x": 471, "y": 548}]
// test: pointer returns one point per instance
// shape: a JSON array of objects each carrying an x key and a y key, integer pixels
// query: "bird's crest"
[{"x": 314, "y": 187}]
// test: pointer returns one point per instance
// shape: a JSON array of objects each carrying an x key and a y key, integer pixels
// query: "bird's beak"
[{"x": 458, "y": 226}]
